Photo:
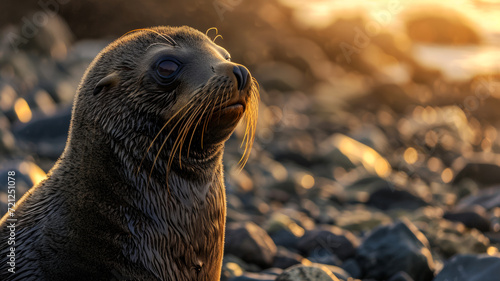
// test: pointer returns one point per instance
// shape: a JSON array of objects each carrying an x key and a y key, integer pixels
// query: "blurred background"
[{"x": 375, "y": 116}]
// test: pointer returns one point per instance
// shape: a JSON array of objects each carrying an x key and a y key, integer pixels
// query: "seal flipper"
[{"x": 109, "y": 80}]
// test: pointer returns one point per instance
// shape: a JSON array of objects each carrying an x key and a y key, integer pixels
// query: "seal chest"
[{"x": 138, "y": 193}]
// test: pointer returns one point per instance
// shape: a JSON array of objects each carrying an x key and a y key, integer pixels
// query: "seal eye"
[{"x": 166, "y": 68}]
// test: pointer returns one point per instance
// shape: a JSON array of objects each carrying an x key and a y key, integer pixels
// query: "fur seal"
[{"x": 138, "y": 193}]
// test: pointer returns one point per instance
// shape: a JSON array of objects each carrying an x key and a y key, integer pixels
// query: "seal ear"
[{"x": 110, "y": 80}]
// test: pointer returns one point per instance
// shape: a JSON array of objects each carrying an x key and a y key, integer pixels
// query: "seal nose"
[{"x": 241, "y": 74}]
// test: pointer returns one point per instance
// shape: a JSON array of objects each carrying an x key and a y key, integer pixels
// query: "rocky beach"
[{"x": 377, "y": 154}]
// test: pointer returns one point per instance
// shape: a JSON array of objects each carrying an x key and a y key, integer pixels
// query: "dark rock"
[
  {"x": 307, "y": 273},
  {"x": 488, "y": 198},
  {"x": 45, "y": 136},
  {"x": 285, "y": 238},
  {"x": 401, "y": 276},
  {"x": 388, "y": 250},
  {"x": 471, "y": 268},
  {"x": 324, "y": 256},
  {"x": 352, "y": 266},
  {"x": 284, "y": 231},
  {"x": 285, "y": 258},
  {"x": 251, "y": 243},
  {"x": 390, "y": 198},
  {"x": 482, "y": 173},
  {"x": 334, "y": 240},
  {"x": 473, "y": 217},
  {"x": 370, "y": 184}
]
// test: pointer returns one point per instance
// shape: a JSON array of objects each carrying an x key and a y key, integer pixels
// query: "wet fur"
[{"x": 132, "y": 197}]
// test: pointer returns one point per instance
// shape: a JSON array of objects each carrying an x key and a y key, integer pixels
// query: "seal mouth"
[{"x": 239, "y": 105}]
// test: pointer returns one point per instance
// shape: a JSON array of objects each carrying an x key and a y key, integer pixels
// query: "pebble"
[
  {"x": 251, "y": 243},
  {"x": 331, "y": 239},
  {"x": 391, "y": 198},
  {"x": 388, "y": 250},
  {"x": 472, "y": 217},
  {"x": 470, "y": 268},
  {"x": 307, "y": 273}
]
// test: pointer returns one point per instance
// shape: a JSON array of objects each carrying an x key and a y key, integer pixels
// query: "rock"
[
  {"x": 401, "y": 276},
  {"x": 45, "y": 136},
  {"x": 339, "y": 272},
  {"x": 251, "y": 243},
  {"x": 238, "y": 263},
  {"x": 388, "y": 250},
  {"x": 285, "y": 258},
  {"x": 284, "y": 231},
  {"x": 352, "y": 266},
  {"x": 230, "y": 270},
  {"x": 249, "y": 276},
  {"x": 471, "y": 268},
  {"x": 307, "y": 273},
  {"x": 361, "y": 219},
  {"x": 390, "y": 198},
  {"x": 365, "y": 185},
  {"x": 482, "y": 173},
  {"x": 488, "y": 198},
  {"x": 473, "y": 217},
  {"x": 324, "y": 256},
  {"x": 451, "y": 238},
  {"x": 334, "y": 240}
]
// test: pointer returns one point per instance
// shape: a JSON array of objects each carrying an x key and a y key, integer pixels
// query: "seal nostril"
[
  {"x": 239, "y": 76},
  {"x": 244, "y": 76}
]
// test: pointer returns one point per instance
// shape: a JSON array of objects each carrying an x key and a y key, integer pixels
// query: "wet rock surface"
[
  {"x": 403, "y": 245},
  {"x": 470, "y": 268}
]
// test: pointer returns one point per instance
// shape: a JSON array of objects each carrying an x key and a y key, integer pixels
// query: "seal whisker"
[
  {"x": 212, "y": 28},
  {"x": 180, "y": 138},
  {"x": 251, "y": 123},
  {"x": 181, "y": 132},
  {"x": 164, "y": 36},
  {"x": 206, "y": 119},
  {"x": 158, "y": 134},
  {"x": 185, "y": 130},
  {"x": 165, "y": 140},
  {"x": 157, "y": 43},
  {"x": 196, "y": 125}
]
